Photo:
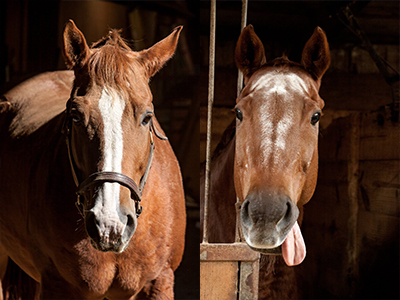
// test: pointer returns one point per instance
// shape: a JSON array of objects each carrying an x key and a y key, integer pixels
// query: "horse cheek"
[{"x": 311, "y": 181}]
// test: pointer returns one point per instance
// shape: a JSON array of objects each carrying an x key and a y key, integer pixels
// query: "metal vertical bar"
[
  {"x": 248, "y": 270},
  {"x": 239, "y": 89},
  {"x": 242, "y": 26},
  {"x": 211, "y": 73}
]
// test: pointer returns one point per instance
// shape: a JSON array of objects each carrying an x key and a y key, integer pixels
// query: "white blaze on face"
[
  {"x": 277, "y": 112},
  {"x": 111, "y": 107}
]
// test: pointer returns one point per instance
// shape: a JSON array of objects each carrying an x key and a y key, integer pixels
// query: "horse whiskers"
[{"x": 80, "y": 226}]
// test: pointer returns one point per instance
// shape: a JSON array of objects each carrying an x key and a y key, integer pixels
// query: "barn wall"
[
  {"x": 353, "y": 217},
  {"x": 351, "y": 225}
]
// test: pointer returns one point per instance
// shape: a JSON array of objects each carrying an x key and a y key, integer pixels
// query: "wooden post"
[
  {"x": 353, "y": 190},
  {"x": 228, "y": 272}
]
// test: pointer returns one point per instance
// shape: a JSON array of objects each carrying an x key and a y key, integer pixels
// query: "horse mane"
[
  {"x": 112, "y": 65},
  {"x": 112, "y": 38}
]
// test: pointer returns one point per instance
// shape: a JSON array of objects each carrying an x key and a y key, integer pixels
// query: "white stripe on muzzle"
[{"x": 111, "y": 107}]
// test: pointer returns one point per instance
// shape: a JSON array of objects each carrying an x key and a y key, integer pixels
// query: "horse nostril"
[
  {"x": 92, "y": 225},
  {"x": 287, "y": 216},
  {"x": 244, "y": 212},
  {"x": 245, "y": 206},
  {"x": 130, "y": 228},
  {"x": 288, "y": 210},
  {"x": 130, "y": 222}
]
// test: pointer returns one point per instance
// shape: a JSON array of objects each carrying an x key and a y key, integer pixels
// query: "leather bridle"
[{"x": 99, "y": 178}]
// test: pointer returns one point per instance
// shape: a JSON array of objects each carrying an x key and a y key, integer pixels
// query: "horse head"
[
  {"x": 110, "y": 128},
  {"x": 276, "y": 159}
]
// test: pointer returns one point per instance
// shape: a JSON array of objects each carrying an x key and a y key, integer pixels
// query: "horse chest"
[{"x": 116, "y": 275}]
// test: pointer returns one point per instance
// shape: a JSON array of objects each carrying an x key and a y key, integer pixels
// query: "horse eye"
[
  {"x": 315, "y": 118},
  {"x": 146, "y": 120},
  {"x": 239, "y": 114},
  {"x": 75, "y": 116}
]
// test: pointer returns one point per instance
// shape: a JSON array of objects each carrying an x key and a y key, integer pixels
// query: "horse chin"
[
  {"x": 117, "y": 247},
  {"x": 293, "y": 248},
  {"x": 272, "y": 251},
  {"x": 110, "y": 236},
  {"x": 264, "y": 249},
  {"x": 270, "y": 244}
]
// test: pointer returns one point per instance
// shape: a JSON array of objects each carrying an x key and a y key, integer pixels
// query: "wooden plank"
[
  {"x": 375, "y": 230},
  {"x": 380, "y": 137},
  {"x": 331, "y": 172},
  {"x": 218, "y": 280},
  {"x": 380, "y": 187},
  {"x": 334, "y": 143},
  {"x": 227, "y": 252},
  {"x": 239, "y": 266},
  {"x": 362, "y": 92},
  {"x": 248, "y": 281},
  {"x": 353, "y": 188}
]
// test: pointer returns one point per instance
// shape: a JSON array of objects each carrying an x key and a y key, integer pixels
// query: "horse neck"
[
  {"x": 222, "y": 213},
  {"x": 276, "y": 279},
  {"x": 53, "y": 154}
]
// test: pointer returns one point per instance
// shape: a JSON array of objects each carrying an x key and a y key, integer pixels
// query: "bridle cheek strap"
[{"x": 103, "y": 177}]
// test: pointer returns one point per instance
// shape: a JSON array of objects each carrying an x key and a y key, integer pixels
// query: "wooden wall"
[{"x": 351, "y": 225}]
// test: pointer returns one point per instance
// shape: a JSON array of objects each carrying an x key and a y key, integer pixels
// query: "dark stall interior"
[
  {"x": 351, "y": 225},
  {"x": 30, "y": 43}
]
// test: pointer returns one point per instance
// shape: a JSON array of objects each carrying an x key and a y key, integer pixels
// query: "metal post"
[
  {"x": 239, "y": 89},
  {"x": 238, "y": 264},
  {"x": 211, "y": 73},
  {"x": 242, "y": 26}
]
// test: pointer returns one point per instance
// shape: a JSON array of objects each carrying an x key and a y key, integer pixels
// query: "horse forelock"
[
  {"x": 113, "y": 66},
  {"x": 113, "y": 38},
  {"x": 284, "y": 63}
]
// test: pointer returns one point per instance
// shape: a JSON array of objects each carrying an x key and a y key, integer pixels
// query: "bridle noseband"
[{"x": 99, "y": 178}]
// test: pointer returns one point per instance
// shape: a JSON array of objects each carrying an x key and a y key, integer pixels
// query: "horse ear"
[
  {"x": 156, "y": 56},
  {"x": 75, "y": 50},
  {"x": 249, "y": 52},
  {"x": 316, "y": 56}
]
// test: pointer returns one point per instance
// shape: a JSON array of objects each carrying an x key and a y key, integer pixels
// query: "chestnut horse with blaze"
[
  {"x": 123, "y": 236},
  {"x": 270, "y": 158}
]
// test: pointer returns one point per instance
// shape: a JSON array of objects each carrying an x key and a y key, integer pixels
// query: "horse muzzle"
[
  {"x": 110, "y": 233},
  {"x": 109, "y": 225},
  {"x": 267, "y": 218},
  {"x": 269, "y": 224}
]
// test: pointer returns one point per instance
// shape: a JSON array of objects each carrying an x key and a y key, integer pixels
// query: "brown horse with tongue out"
[{"x": 270, "y": 161}]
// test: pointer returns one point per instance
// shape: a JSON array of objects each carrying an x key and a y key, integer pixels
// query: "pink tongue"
[{"x": 294, "y": 248}]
